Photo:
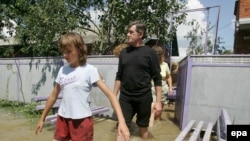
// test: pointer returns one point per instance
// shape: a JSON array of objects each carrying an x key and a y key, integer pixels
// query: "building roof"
[{"x": 89, "y": 38}]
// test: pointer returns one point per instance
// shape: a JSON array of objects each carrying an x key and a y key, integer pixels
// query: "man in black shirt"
[{"x": 138, "y": 65}]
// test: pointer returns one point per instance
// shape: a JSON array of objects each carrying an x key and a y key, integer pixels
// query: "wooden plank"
[
  {"x": 208, "y": 132},
  {"x": 43, "y": 98},
  {"x": 98, "y": 111},
  {"x": 222, "y": 122},
  {"x": 42, "y": 106},
  {"x": 218, "y": 128},
  {"x": 171, "y": 96},
  {"x": 39, "y": 98},
  {"x": 50, "y": 117},
  {"x": 92, "y": 108},
  {"x": 185, "y": 131},
  {"x": 226, "y": 117},
  {"x": 53, "y": 121},
  {"x": 225, "y": 121},
  {"x": 196, "y": 134}
]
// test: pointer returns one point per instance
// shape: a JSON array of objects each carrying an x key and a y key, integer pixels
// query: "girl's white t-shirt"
[{"x": 76, "y": 84}]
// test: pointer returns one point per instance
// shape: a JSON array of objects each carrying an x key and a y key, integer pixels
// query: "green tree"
[
  {"x": 195, "y": 39},
  {"x": 157, "y": 15},
  {"x": 4, "y": 21},
  {"x": 220, "y": 48},
  {"x": 196, "y": 46},
  {"x": 40, "y": 23}
]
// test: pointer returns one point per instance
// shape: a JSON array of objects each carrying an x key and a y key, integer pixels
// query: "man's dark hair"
[{"x": 140, "y": 28}]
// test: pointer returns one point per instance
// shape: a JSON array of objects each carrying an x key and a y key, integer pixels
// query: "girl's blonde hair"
[
  {"x": 73, "y": 39},
  {"x": 159, "y": 52}
]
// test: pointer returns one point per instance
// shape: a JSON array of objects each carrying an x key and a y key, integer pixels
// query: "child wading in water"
[
  {"x": 166, "y": 84},
  {"x": 74, "y": 81}
]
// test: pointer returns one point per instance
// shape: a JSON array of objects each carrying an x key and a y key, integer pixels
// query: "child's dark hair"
[{"x": 73, "y": 39}]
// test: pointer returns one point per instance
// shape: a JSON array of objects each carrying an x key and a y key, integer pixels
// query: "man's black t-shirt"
[{"x": 137, "y": 67}]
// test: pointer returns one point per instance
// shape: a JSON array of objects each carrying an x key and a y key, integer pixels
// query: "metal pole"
[
  {"x": 205, "y": 45},
  {"x": 202, "y": 9},
  {"x": 216, "y": 33}
]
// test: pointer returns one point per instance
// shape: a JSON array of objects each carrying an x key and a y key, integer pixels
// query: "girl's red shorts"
[{"x": 74, "y": 129}]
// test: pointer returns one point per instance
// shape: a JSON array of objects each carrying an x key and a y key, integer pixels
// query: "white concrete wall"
[
  {"x": 23, "y": 78},
  {"x": 210, "y": 84}
]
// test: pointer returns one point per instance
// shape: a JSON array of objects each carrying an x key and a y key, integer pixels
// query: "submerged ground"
[{"x": 16, "y": 127}]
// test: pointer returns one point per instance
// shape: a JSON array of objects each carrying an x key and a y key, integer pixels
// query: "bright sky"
[{"x": 226, "y": 20}]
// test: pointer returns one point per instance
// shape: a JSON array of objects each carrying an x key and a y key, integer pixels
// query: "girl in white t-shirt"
[{"x": 74, "y": 81}]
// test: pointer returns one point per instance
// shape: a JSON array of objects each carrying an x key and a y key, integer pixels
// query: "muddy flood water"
[{"x": 16, "y": 127}]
